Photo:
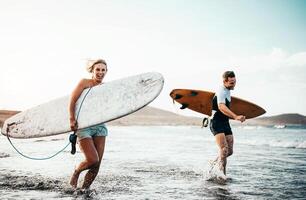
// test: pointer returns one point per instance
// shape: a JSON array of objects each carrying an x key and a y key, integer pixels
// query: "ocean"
[{"x": 161, "y": 162}]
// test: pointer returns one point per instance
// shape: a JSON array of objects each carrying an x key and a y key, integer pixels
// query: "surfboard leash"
[
  {"x": 205, "y": 122},
  {"x": 73, "y": 136},
  {"x": 72, "y": 140},
  {"x": 34, "y": 158}
]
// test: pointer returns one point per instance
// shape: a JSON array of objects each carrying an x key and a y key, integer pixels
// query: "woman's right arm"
[{"x": 76, "y": 93}]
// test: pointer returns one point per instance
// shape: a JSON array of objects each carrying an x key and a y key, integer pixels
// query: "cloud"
[
  {"x": 274, "y": 65},
  {"x": 276, "y": 80},
  {"x": 298, "y": 59}
]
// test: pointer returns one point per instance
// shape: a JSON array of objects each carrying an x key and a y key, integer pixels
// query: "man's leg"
[
  {"x": 223, "y": 150},
  {"x": 230, "y": 143}
]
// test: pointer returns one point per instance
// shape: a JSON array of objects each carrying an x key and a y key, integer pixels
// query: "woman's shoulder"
[{"x": 85, "y": 83}]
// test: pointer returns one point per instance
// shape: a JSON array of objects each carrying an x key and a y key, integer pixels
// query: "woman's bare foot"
[{"x": 74, "y": 179}]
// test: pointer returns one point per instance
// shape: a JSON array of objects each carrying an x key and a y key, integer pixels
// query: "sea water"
[{"x": 161, "y": 162}]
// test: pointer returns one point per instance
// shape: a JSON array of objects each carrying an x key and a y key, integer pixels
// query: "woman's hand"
[{"x": 73, "y": 125}]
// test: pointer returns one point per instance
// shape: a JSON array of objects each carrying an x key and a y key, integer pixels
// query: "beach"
[
  {"x": 150, "y": 71},
  {"x": 161, "y": 162}
]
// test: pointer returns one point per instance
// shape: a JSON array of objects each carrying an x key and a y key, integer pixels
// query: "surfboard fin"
[
  {"x": 193, "y": 93},
  {"x": 184, "y": 105},
  {"x": 178, "y": 96}
]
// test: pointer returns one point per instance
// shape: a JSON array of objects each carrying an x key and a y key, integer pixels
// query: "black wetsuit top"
[{"x": 219, "y": 116}]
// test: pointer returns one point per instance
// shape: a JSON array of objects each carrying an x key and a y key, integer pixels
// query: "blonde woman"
[{"x": 91, "y": 140}]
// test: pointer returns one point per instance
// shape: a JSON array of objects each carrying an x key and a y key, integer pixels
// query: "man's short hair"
[{"x": 228, "y": 74}]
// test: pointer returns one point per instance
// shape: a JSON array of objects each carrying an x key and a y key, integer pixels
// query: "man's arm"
[{"x": 225, "y": 110}]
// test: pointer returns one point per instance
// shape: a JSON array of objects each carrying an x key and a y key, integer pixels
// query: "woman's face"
[{"x": 99, "y": 71}]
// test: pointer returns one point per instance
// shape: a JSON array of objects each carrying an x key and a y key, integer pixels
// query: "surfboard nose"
[
  {"x": 10, "y": 129},
  {"x": 173, "y": 94},
  {"x": 3, "y": 129}
]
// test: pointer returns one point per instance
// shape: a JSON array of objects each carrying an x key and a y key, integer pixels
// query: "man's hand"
[
  {"x": 225, "y": 110},
  {"x": 240, "y": 118}
]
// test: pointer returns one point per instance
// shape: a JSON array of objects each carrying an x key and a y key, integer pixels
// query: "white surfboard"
[{"x": 103, "y": 103}]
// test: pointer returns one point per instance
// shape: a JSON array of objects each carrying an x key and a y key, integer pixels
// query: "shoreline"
[{"x": 150, "y": 116}]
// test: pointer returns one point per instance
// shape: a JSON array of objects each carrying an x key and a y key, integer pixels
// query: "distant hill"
[
  {"x": 158, "y": 117},
  {"x": 146, "y": 116},
  {"x": 154, "y": 116},
  {"x": 285, "y": 119},
  {"x": 4, "y": 114}
]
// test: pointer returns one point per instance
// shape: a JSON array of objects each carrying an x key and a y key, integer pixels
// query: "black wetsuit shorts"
[{"x": 218, "y": 126}]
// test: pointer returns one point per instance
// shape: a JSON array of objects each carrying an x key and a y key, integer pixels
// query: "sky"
[{"x": 44, "y": 46}]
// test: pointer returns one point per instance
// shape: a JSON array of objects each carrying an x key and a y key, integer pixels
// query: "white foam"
[
  {"x": 214, "y": 172},
  {"x": 301, "y": 145},
  {"x": 246, "y": 127},
  {"x": 288, "y": 144},
  {"x": 278, "y": 143}
]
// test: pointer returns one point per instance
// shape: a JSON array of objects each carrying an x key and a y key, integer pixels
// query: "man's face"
[{"x": 230, "y": 83}]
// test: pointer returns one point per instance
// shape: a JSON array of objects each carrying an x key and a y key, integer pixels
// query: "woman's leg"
[
  {"x": 87, "y": 146},
  {"x": 90, "y": 176}
]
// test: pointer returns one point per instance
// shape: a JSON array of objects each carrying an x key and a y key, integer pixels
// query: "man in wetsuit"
[{"x": 219, "y": 125}]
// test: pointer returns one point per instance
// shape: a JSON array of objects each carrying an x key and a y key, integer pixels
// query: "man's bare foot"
[{"x": 74, "y": 179}]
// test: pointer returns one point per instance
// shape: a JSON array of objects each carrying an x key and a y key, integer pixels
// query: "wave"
[
  {"x": 249, "y": 127},
  {"x": 4, "y": 155},
  {"x": 286, "y": 144},
  {"x": 278, "y": 143}
]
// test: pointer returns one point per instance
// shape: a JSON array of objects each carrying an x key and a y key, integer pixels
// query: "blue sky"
[{"x": 45, "y": 44}]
